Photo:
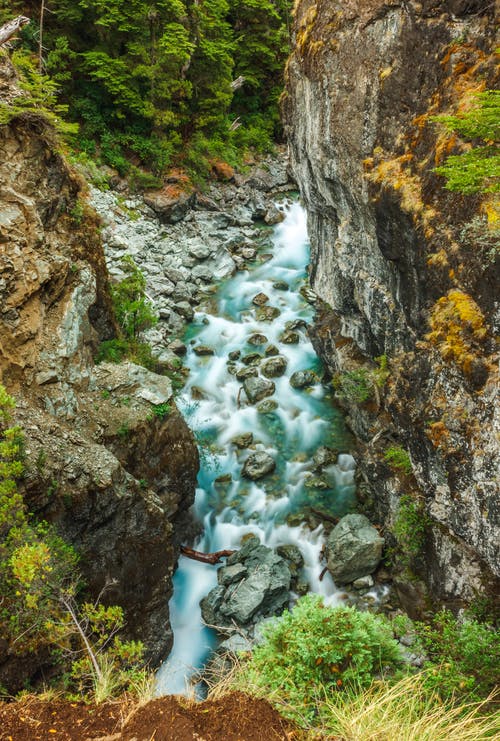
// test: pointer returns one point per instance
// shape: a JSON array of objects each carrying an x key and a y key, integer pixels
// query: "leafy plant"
[
  {"x": 465, "y": 655},
  {"x": 409, "y": 529},
  {"x": 316, "y": 649},
  {"x": 162, "y": 410},
  {"x": 398, "y": 459},
  {"x": 354, "y": 386},
  {"x": 134, "y": 314}
]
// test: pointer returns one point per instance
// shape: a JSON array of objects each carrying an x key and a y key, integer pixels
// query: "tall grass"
[{"x": 405, "y": 711}]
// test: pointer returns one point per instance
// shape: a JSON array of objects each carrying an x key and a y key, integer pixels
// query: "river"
[{"x": 228, "y": 505}]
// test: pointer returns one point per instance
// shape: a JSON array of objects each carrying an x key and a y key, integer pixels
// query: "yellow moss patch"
[
  {"x": 395, "y": 174},
  {"x": 458, "y": 329}
]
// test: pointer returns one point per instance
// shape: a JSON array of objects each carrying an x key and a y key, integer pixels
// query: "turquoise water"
[{"x": 228, "y": 505}]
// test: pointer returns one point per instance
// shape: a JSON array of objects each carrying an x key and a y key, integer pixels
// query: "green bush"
[
  {"x": 465, "y": 655},
  {"x": 398, "y": 459},
  {"x": 355, "y": 386},
  {"x": 409, "y": 529},
  {"x": 315, "y": 650}
]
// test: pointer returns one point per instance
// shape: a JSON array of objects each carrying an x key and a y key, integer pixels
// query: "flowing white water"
[{"x": 303, "y": 420}]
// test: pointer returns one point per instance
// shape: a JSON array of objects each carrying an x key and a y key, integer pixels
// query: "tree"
[{"x": 477, "y": 170}]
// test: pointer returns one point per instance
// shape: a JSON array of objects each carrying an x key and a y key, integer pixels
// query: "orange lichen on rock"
[
  {"x": 458, "y": 328},
  {"x": 438, "y": 434}
]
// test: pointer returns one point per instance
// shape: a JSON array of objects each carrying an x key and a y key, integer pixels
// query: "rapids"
[{"x": 228, "y": 505}]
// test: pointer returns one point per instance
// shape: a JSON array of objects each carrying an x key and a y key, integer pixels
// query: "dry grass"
[{"x": 405, "y": 711}]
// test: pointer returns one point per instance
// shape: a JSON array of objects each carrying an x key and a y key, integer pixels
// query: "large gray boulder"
[
  {"x": 354, "y": 549},
  {"x": 254, "y": 585}
]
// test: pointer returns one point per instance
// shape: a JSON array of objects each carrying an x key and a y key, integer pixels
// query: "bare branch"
[
  {"x": 211, "y": 558},
  {"x": 9, "y": 29}
]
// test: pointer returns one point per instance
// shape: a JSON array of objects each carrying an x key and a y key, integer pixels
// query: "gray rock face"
[
  {"x": 257, "y": 389},
  {"x": 257, "y": 465},
  {"x": 254, "y": 585},
  {"x": 345, "y": 136},
  {"x": 354, "y": 549}
]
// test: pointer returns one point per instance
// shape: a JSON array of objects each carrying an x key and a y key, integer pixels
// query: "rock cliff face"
[
  {"x": 114, "y": 477},
  {"x": 404, "y": 268}
]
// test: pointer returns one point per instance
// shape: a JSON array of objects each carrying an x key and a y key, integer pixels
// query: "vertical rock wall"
[
  {"x": 394, "y": 252},
  {"x": 115, "y": 478}
]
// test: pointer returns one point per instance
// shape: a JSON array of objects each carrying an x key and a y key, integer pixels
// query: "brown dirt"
[{"x": 235, "y": 717}]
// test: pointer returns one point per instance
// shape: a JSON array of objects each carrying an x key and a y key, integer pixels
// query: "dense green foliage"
[
  {"x": 465, "y": 655},
  {"x": 476, "y": 170},
  {"x": 143, "y": 79},
  {"x": 316, "y": 649}
]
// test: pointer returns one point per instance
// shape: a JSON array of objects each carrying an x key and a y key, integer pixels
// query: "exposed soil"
[{"x": 235, "y": 717}]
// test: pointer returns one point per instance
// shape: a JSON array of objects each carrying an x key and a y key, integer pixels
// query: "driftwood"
[
  {"x": 9, "y": 29},
  {"x": 211, "y": 558}
]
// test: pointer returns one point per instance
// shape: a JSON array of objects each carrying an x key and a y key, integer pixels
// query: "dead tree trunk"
[{"x": 9, "y": 29}]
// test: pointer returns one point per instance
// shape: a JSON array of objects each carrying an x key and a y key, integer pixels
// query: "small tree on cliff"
[{"x": 477, "y": 170}]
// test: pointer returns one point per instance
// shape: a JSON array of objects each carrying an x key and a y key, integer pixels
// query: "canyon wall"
[
  {"x": 115, "y": 477},
  {"x": 404, "y": 268}
]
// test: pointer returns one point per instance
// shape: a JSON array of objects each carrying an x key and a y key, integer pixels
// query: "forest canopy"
[{"x": 147, "y": 78}]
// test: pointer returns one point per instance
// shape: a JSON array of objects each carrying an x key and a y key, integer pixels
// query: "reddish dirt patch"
[{"x": 235, "y": 717}]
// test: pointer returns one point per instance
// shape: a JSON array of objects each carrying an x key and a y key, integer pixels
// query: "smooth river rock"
[{"x": 274, "y": 367}]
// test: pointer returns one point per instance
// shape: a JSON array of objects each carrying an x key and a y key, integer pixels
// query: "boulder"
[
  {"x": 303, "y": 379},
  {"x": 254, "y": 585},
  {"x": 257, "y": 339},
  {"x": 325, "y": 457},
  {"x": 257, "y": 389},
  {"x": 244, "y": 440},
  {"x": 246, "y": 372},
  {"x": 274, "y": 367},
  {"x": 267, "y": 313},
  {"x": 354, "y": 549},
  {"x": 289, "y": 337},
  {"x": 260, "y": 299},
  {"x": 273, "y": 215},
  {"x": 257, "y": 465},
  {"x": 203, "y": 350},
  {"x": 171, "y": 204},
  {"x": 267, "y": 406}
]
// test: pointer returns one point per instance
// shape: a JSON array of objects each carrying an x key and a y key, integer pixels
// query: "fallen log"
[
  {"x": 211, "y": 558},
  {"x": 9, "y": 29}
]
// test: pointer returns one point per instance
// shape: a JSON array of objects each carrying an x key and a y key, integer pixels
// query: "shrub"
[
  {"x": 354, "y": 386},
  {"x": 409, "y": 529},
  {"x": 466, "y": 652},
  {"x": 398, "y": 459},
  {"x": 316, "y": 649}
]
